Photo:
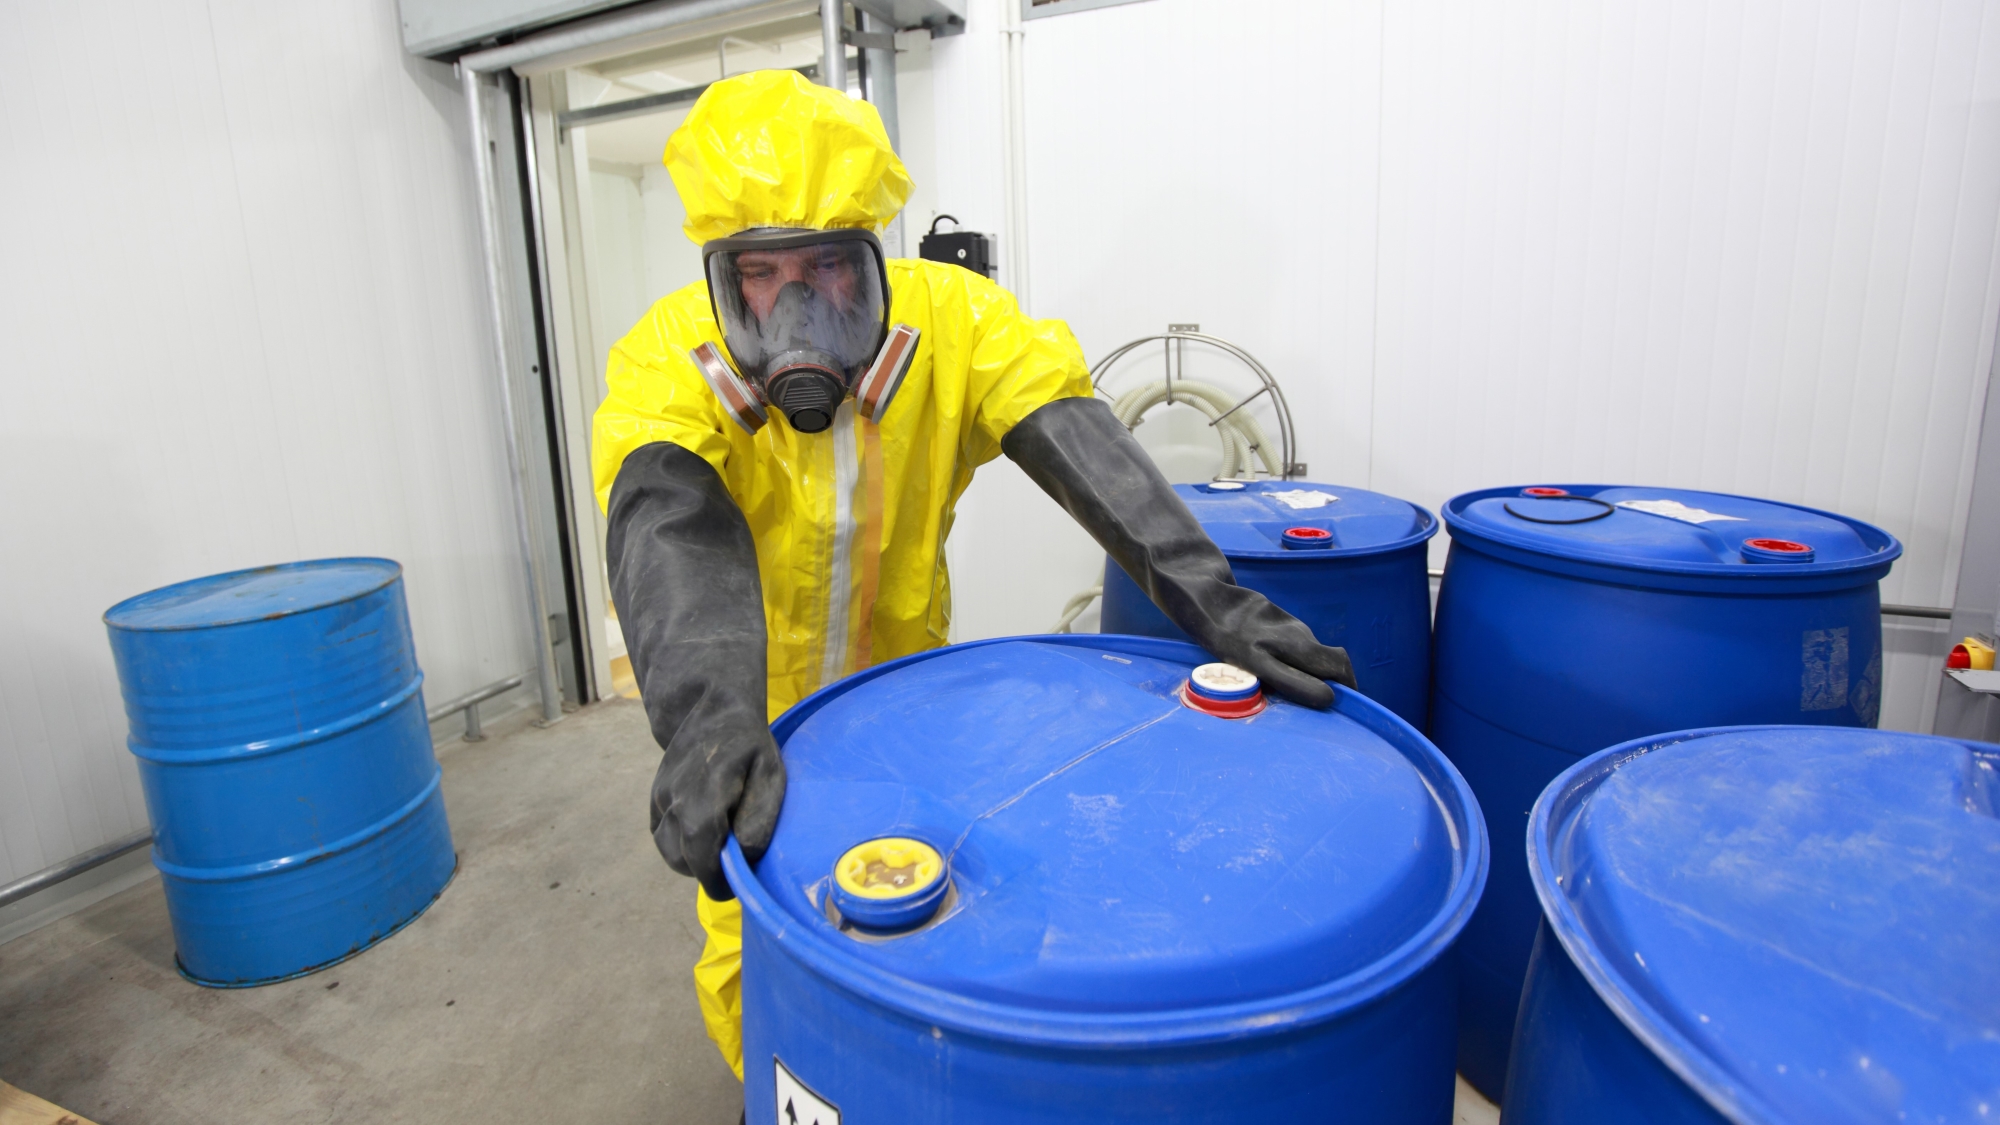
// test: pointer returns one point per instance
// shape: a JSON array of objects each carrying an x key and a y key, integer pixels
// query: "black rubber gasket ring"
[{"x": 1605, "y": 504}]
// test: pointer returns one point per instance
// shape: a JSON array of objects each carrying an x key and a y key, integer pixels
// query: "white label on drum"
[
  {"x": 798, "y": 1105},
  {"x": 1675, "y": 510},
  {"x": 1301, "y": 499}
]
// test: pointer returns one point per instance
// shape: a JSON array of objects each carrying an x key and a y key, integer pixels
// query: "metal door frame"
[
  {"x": 542, "y": 398},
  {"x": 538, "y": 296}
]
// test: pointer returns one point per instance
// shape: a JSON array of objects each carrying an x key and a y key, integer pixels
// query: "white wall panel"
[
  {"x": 965, "y": 76},
  {"x": 1742, "y": 247},
  {"x": 916, "y": 142},
  {"x": 246, "y": 326},
  {"x": 1189, "y": 162},
  {"x": 616, "y": 261},
  {"x": 1013, "y": 555}
]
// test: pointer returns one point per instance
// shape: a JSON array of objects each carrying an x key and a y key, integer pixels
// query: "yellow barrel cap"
[{"x": 889, "y": 867}]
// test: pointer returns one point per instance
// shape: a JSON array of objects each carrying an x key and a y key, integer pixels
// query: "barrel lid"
[
  {"x": 1799, "y": 921},
  {"x": 1672, "y": 531},
  {"x": 252, "y": 595},
  {"x": 1117, "y": 857},
  {"x": 1249, "y": 519}
]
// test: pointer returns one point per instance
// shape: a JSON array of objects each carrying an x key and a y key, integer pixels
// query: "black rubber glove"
[
  {"x": 1081, "y": 454},
  {"x": 684, "y": 578}
]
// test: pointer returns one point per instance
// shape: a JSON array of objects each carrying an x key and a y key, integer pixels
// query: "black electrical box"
[{"x": 967, "y": 248}]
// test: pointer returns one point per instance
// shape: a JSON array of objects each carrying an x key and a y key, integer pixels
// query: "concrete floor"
[{"x": 548, "y": 983}]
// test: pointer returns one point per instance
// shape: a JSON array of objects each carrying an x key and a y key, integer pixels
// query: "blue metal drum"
[
  {"x": 1575, "y": 617},
  {"x": 1096, "y": 898},
  {"x": 279, "y": 725},
  {"x": 1347, "y": 562},
  {"x": 1765, "y": 925}
]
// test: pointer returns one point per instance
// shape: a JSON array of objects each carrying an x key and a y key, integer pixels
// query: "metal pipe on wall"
[
  {"x": 833, "y": 66},
  {"x": 878, "y": 86},
  {"x": 1014, "y": 155},
  {"x": 879, "y": 76},
  {"x": 76, "y": 865},
  {"x": 469, "y": 703}
]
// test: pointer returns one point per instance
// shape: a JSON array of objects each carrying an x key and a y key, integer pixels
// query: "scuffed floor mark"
[{"x": 1060, "y": 770}]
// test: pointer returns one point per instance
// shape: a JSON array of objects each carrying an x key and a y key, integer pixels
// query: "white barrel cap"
[{"x": 1223, "y": 681}]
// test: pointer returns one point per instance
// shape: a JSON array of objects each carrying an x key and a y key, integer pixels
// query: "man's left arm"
[
  {"x": 1032, "y": 397},
  {"x": 1085, "y": 458}
]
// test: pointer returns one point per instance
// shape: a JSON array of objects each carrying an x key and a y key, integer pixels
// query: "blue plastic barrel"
[
  {"x": 278, "y": 719},
  {"x": 1153, "y": 913},
  {"x": 1347, "y": 562},
  {"x": 1570, "y": 622},
  {"x": 1765, "y": 925}
]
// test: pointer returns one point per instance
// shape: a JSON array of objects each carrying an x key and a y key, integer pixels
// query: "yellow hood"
[{"x": 769, "y": 149}]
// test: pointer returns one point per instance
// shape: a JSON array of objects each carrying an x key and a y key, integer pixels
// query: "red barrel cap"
[
  {"x": 1776, "y": 551},
  {"x": 1307, "y": 538}
]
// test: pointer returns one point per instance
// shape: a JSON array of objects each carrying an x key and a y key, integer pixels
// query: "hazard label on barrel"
[{"x": 798, "y": 1105}]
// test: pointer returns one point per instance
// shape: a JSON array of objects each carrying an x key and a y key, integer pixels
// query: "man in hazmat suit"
[{"x": 780, "y": 452}]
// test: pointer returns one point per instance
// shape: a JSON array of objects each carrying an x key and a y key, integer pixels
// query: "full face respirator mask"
[{"x": 805, "y": 314}]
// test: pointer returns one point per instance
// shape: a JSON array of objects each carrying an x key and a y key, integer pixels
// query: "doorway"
[{"x": 609, "y": 224}]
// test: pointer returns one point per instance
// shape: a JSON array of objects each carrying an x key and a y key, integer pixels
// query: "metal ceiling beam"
[
  {"x": 833, "y": 44},
  {"x": 601, "y": 31}
]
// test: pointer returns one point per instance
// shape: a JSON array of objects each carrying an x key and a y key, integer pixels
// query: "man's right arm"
[{"x": 684, "y": 578}]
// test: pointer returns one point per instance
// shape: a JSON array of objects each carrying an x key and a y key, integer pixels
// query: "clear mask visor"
[{"x": 799, "y": 297}]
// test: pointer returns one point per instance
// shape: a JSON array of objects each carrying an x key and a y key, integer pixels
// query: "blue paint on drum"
[
  {"x": 1154, "y": 914},
  {"x": 1366, "y": 590},
  {"x": 278, "y": 718},
  {"x": 1567, "y": 624},
  {"x": 1765, "y": 926}
]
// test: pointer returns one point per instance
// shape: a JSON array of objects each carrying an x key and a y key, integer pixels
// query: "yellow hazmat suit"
[{"x": 849, "y": 523}]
